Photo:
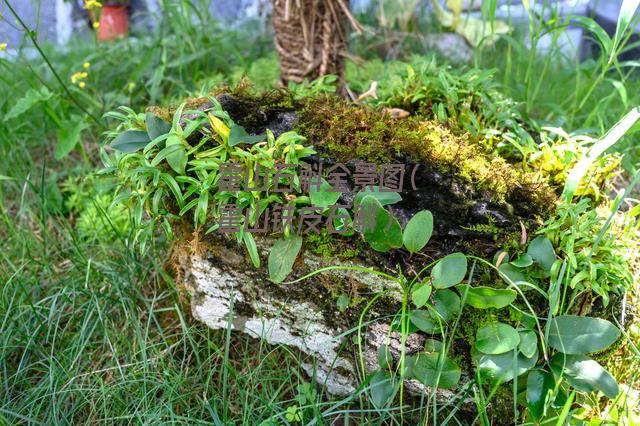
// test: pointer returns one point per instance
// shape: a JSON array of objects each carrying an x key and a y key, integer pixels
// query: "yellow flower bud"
[
  {"x": 96, "y": 25},
  {"x": 82, "y": 85},
  {"x": 86, "y": 65},
  {"x": 3, "y": 47}
]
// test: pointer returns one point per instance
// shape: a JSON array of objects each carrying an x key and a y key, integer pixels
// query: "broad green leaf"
[
  {"x": 528, "y": 343},
  {"x": 238, "y": 135},
  {"x": 130, "y": 141},
  {"x": 449, "y": 271},
  {"x": 539, "y": 384},
  {"x": 250, "y": 243},
  {"x": 282, "y": 256},
  {"x": 387, "y": 233},
  {"x": 446, "y": 303},
  {"x": 420, "y": 293},
  {"x": 156, "y": 126},
  {"x": 434, "y": 370},
  {"x": 30, "y": 99},
  {"x": 503, "y": 367},
  {"x": 424, "y": 321},
  {"x": 177, "y": 157},
  {"x": 69, "y": 136},
  {"x": 383, "y": 388},
  {"x": 584, "y": 374},
  {"x": 385, "y": 197},
  {"x": 418, "y": 231},
  {"x": 487, "y": 297},
  {"x": 578, "y": 335},
  {"x": 541, "y": 251},
  {"x": 325, "y": 197},
  {"x": 497, "y": 338}
]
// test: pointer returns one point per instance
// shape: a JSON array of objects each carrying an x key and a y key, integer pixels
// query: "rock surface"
[{"x": 226, "y": 290}]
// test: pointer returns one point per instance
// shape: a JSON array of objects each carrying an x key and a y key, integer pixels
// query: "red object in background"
[{"x": 114, "y": 22}]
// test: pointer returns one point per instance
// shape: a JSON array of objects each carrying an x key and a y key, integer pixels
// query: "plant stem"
[{"x": 46, "y": 59}]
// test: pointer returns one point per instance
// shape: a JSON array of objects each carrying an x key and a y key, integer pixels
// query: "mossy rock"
[{"x": 479, "y": 203}]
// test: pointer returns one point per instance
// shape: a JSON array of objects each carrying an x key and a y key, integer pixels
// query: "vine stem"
[{"x": 31, "y": 35}]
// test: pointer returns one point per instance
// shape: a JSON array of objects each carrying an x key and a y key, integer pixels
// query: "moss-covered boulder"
[{"x": 341, "y": 317}]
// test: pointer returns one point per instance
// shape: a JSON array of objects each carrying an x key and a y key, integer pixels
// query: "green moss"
[
  {"x": 329, "y": 245},
  {"x": 346, "y": 131}
]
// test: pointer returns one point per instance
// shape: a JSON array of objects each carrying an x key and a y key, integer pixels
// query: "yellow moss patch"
[{"x": 346, "y": 131}]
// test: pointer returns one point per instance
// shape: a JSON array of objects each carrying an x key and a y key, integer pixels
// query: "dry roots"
[{"x": 310, "y": 37}]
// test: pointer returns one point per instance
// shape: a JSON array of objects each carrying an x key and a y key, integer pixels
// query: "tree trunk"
[{"x": 310, "y": 37}]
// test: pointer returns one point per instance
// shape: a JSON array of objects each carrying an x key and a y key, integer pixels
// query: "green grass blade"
[
  {"x": 627, "y": 11},
  {"x": 610, "y": 138}
]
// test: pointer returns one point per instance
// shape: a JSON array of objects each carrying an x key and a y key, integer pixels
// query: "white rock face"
[
  {"x": 226, "y": 290},
  {"x": 299, "y": 324}
]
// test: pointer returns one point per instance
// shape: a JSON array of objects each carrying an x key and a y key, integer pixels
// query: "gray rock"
[{"x": 226, "y": 290}]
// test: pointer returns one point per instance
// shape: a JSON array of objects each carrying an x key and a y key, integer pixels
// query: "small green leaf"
[
  {"x": 177, "y": 154},
  {"x": 385, "y": 197},
  {"x": 578, "y": 335},
  {"x": 434, "y": 370},
  {"x": 420, "y": 293},
  {"x": 528, "y": 343},
  {"x": 325, "y": 197},
  {"x": 385, "y": 359},
  {"x": 522, "y": 261},
  {"x": 343, "y": 302},
  {"x": 541, "y": 251},
  {"x": 69, "y": 136},
  {"x": 431, "y": 345},
  {"x": 418, "y": 231},
  {"x": 424, "y": 321},
  {"x": 514, "y": 274},
  {"x": 446, "y": 303},
  {"x": 383, "y": 388},
  {"x": 282, "y": 256},
  {"x": 24, "y": 104},
  {"x": 539, "y": 384},
  {"x": 449, "y": 271},
  {"x": 497, "y": 338},
  {"x": 387, "y": 233},
  {"x": 584, "y": 374},
  {"x": 503, "y": 367},
  {"x": 156, "y": 126},
  {"x": 130, "y": 141},
  {"x": 238, "y": 135},
  {"x": 487, "y": 297},
  {"x": 250, "y": 243}
]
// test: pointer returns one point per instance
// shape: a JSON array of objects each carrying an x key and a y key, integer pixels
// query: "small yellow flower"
[
  {"x": 78, "y": 76},
  {"x": 3, "y": 47},
  {"x": 82, "y": 85},
  {"x": 96, "y": 25},
  {"x": 92, "y": 4},
  {"x": 86, "y": 65},
  {"x": 131, "y": 86}
]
